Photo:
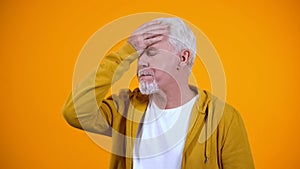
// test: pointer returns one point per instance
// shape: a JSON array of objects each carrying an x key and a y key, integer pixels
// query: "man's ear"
[{"x": 184, "y": 57}]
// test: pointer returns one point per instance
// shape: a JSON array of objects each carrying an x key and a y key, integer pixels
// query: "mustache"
[{"x": 145, "y": 72}]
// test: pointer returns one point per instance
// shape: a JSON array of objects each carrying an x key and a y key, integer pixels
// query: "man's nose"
[{"x": 143, "y": 62}]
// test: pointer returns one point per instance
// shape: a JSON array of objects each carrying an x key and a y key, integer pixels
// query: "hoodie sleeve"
[
  {"x": 236, "y": 153},
  {"x": 86, "y": 107}
]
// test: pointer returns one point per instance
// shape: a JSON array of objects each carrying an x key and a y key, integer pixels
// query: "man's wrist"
[{"x": 127, "y": 50}]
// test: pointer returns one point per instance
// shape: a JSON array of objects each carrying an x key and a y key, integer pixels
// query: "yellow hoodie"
[{"x": 216, "y": 138}]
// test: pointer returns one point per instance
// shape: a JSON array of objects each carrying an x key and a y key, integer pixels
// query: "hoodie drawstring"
[{"x": 208, "y": 127}]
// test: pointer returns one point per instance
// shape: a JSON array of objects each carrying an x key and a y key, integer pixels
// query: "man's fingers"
[
  {"x": 153, "y": 33},
  {"x": 148, "y": 34},
  {"x": 153, "y": 27},
  {"x": 153, "y": 40},
  {"x": 149, "y": 24}
]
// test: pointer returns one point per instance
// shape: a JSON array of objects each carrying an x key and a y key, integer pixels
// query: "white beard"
[{"x": 148, "y": 88}]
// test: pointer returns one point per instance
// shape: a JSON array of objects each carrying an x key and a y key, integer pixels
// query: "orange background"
[{"x": 258, "y": 43}]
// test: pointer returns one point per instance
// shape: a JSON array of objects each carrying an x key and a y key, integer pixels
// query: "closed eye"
[{"x": 151, "y": 51}]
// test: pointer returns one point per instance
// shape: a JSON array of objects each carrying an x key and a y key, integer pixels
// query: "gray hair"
[{"x": 181, "y": 37}]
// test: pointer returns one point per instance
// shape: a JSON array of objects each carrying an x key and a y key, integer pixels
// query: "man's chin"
[{"x": 148, "y": 88}]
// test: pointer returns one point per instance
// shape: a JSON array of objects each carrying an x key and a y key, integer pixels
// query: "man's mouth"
[{"x": 145, "y": 74}]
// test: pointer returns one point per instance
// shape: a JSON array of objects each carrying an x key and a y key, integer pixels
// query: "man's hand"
[{"x": 147, "y": 34}]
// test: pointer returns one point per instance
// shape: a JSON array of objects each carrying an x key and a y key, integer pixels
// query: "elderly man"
[{"x": 159, "y": 124}]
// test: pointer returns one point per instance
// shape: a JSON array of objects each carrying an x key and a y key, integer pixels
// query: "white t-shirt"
[{"x": 162, "y": 137}]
